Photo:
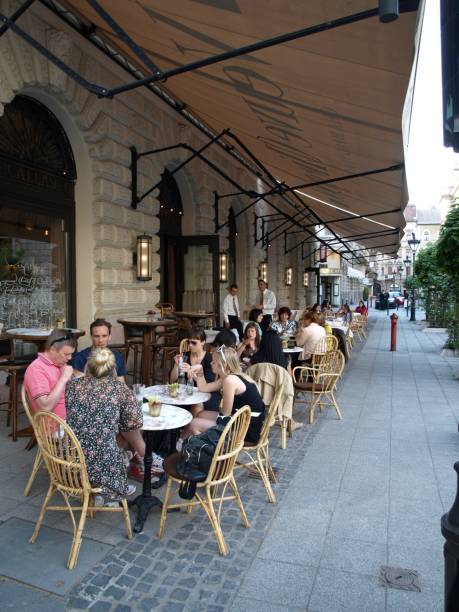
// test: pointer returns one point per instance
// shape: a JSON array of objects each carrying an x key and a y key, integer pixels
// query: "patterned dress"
[{"x": 97, "y": 409}]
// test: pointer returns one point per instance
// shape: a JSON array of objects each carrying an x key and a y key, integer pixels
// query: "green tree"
[{"x": 448, "y": 263}]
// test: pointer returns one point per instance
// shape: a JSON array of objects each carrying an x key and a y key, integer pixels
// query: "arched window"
[
  {"x": 37, "y": 171},
  {"x": 426, "y": 236}
]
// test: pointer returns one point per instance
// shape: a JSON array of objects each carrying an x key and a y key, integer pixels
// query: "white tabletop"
[
  {"x": 171, "y": 417},
  {"x": 183, "y": 399},
  {"x": 294, "y": 349},
  {"x": 36, "y": 331}
]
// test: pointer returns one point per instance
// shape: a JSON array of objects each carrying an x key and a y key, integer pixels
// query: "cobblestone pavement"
[{"x": 353, "y": 495}]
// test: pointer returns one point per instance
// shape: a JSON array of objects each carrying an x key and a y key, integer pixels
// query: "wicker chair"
[
  {"x": 258, "y": 453},
  {"x": 66, "y": 466},
  {"x": 39, "y": 456},
  {"x": 322, "y": 387},
  {"x": 213, "y": 489},
  {"x": 325, "y": 345}
]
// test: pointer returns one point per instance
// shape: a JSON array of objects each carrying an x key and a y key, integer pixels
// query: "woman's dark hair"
[
  {"x": 226, "y": 337},
  {"x": 361, "y": 302},
  {"x": 314, "y": 307},
  {"x": 254, "y": 314},
  {"x": 252, "y": 325},
  {"x": 325, "y": 304},
  {"x": 270, "y": 350},
  {"x": 284, "y": 309},
  {"x": 197, "y": 333}
]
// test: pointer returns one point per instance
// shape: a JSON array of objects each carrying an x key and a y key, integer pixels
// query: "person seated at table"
[
  {"x": 250, "y": 343},
  {"x": 270, "y": 351},
  {"x": 315, "y": 308},
  {"x": 237, "y": 390},
  {"x": 98, "y": 408},
  {"x": 346, "y": 313},
  {"x": 256, "y": 316},
  {"x": 197, "y": 355},
  {"x": 322, "y": 320},
  {"x": 326, "y": 308},
  {"x": 46, "y": 377},
  {"x": 226, "y": 337},
  {"x": 284, "y": 325},
  {"x": 362, "y": 309},
  {"x": 100, "y": 331},
  {"x": 309, "y": 334}
]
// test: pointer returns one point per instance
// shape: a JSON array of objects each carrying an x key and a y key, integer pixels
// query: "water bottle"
[
  {"x": 189, "y": 386},
  {"x": 181, "y": 379}
]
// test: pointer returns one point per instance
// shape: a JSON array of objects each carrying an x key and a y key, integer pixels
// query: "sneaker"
[
  {"x": 131, "y": 490},
  {"x": 101, "y": 502},
  {"x": 136, "y": 470},
  {"x": 296, "y": 425},
  {"x": 127, "y": 457}
]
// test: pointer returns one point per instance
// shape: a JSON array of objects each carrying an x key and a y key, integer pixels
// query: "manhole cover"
[{"x": 399, "y": 578}]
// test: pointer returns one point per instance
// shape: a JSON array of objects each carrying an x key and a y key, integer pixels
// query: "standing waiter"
[
  {"x": 266, "y": 302},
  {"x": 231, "y": 311}
]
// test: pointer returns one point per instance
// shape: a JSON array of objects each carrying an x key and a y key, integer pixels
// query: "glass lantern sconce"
[
  {"x": 143, "y": 258},
  {"x": 305, "y": 279},
  {"x": 223, "y": 267},
  {"x": 288, "y": 276},
  {"x": 263, "y": 271}
]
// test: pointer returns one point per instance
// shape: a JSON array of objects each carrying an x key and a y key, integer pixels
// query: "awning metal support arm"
[
  {"x": 8, "y": 23},
  {"x": 346, "y": 177},
  {"x": 262, "y": 44},
  {"x": 15, "y": 16},
  {"x": 126, "y": 39}
]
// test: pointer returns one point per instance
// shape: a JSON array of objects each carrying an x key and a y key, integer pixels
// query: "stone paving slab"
[{"x": 43, "y": 564}]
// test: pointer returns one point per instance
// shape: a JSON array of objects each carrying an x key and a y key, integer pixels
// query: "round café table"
[
  {"x": 292, "y": 351},
  {"x": 39, "y": 336},
  {"x": 183, "y": 399},
  {"x": 149, "y": 327},
  {"x": 172, "y": 417}
]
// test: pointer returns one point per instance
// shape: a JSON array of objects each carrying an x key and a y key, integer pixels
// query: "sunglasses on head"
[
  {"x": 61, "y": 339},
  {"x": 221, "y": 350}
]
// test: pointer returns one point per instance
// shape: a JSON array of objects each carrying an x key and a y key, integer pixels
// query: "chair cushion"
[{"x": 170, "y": 465}]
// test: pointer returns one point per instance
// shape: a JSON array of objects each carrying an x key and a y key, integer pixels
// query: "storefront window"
[{"x": 33, "y": 260}]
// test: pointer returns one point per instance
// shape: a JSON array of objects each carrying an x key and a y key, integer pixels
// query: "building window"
[{"x": 426, "y": 236}]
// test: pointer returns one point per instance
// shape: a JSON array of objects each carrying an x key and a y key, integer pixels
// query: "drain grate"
[{"x": 399, "y": 578}]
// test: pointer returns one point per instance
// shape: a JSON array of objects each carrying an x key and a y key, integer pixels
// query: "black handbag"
[{"x": 196, "y": 457}]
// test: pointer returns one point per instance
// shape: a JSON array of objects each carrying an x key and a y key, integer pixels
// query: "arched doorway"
[
  {"x": 189, "y": 264},
  {"x": 37, "y": 217}
]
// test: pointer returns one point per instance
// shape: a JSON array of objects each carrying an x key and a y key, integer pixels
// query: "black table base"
[{"x": 147, "y": 501}]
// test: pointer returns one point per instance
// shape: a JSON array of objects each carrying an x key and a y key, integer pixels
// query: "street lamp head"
[
  {"x": 414, "y": 243},
  {"x": 407, "y": 261}
]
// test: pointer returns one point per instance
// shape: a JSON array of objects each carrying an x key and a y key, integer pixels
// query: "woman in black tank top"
[{"x": 237, "y": 390}]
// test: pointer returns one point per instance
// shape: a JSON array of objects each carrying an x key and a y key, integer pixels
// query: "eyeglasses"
[
  {"x": 193, "y": 342},
  {"x": 61, "y": 339},
  {"x": 221, "y": 351}
]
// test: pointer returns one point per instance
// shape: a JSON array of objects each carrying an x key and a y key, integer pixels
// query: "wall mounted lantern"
[
  {"x": 143, "y": 259},
  {"x": 288, "y": 276},
  {"x": 223, "y": 267},
  {"x": 263, "y": 271},
  {"x": 305, "y": 279}
]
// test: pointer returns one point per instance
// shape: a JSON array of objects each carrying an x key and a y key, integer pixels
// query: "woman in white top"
[{"x": 309, "y": 334}]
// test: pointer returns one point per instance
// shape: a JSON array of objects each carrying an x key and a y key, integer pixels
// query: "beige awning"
[{"x": 312, "y": 109}]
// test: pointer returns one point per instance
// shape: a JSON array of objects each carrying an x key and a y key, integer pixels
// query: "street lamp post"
[{"x": 414, "y": 243}]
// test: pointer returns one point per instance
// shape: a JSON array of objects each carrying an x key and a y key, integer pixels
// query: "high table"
[
  {"x": 39, "y": 336},
  {"x": 188, "y": 319},
  {"x": 149, "y": 329},
  {"x": 172, "y": 417}
]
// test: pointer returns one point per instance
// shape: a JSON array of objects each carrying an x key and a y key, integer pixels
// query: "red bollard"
[{"x": 393, "y": 332}]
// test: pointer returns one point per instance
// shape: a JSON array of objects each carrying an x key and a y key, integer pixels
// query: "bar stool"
[
  {"x": 165, "y": 347},
  {"x": 13, "y": 368},
  {"x": 133, "y": 340}
]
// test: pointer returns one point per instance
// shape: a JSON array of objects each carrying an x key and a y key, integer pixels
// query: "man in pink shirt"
[{"x": 47, "y": 375}]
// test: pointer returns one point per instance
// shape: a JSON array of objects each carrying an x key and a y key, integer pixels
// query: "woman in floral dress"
[{"x": 98, "y": 408}]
